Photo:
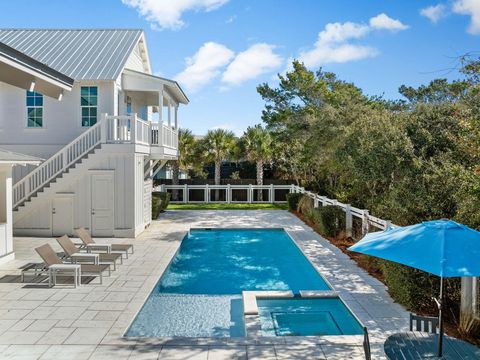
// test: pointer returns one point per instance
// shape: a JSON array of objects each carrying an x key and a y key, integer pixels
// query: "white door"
[
  {"x": 102, "y": 204},
  {"x": 62, "y": 216}
]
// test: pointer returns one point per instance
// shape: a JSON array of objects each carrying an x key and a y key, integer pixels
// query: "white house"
[
  {"x": 19, "y": 70},
  {"x": 100, "y": 141}
]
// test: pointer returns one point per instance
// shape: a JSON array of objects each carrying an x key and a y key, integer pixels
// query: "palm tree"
[
  {"x": 218, "y": 145},
  {"x": 186, "y": 145},
  {"x": 257, "y": 143}
]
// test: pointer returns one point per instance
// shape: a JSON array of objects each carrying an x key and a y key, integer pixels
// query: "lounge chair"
[
  {"x": 56, "y": 266},
  {"x": 74, "y": 254},
  {"x": 90, "y": 244}
]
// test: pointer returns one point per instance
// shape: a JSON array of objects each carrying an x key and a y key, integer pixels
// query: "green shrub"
[
  {"x": 293, "y": 199},
  {"x": 415, "y": 289},
  {"x": 331, "y": 220},
  {"x": 160, "y": 201},
  {"x": 305, "y": 204}
]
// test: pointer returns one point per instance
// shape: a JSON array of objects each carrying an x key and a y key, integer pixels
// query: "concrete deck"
[{"x": 88, "y": 322}]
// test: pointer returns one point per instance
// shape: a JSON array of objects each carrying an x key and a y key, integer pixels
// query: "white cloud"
[
  {"x": 335, "y": 43},
  {"x": 471, "y": 8},
  {"x": 167, "y": 14},
  {"x": 205, "y": 65},
  {"x": 384, "y": 22},
  {"x": 231, "y": 19},
  {"x": 256, "y": 60},
  {"x": 434, "y": 12}
]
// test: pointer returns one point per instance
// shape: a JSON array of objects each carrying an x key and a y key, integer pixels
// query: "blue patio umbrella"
[{"x": 441, "y": 247}]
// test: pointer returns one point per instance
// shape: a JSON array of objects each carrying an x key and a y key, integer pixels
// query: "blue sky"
[{"x": 220, "y": 50}]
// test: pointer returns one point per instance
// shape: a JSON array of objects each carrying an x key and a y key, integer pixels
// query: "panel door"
[
  {"x": 102, "y": 204},
  {"x": 62, "y": 216}
]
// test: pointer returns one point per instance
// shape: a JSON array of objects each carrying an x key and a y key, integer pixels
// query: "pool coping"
[{"x": 244, "y": 340}]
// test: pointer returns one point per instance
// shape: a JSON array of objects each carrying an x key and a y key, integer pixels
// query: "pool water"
[
  {"x": 230, "y": 261},
  {"x": 306, "y": 317},
  {"x": 199, "y": 295}
]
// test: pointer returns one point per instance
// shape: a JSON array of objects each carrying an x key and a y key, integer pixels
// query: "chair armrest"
[
  {"x": 86, "y": 257},
  {"x": 106, "y": 247}
]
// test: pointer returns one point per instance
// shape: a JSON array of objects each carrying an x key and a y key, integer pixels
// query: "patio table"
[{"x": 415, "y": 345}]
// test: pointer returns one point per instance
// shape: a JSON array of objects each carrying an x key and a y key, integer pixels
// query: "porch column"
[
  {"x": 176, "y": 117},
  {"x": 169, "y": 114},
  {"x": 160, "y": 105}
]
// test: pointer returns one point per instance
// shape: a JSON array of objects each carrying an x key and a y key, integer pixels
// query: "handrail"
[
  {"x": 112, "y": 129},
  {"x": 56, "y": 164}
]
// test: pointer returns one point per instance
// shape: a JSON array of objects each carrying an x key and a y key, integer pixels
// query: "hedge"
[
  {"x": 293, "y": 199},
  {"x": 329, "y": 220},
  {"x": 416, "y": 289},
  {"x": 160, "y": 201}
]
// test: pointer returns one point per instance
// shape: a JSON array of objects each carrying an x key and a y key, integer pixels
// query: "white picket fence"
[{"x": 269, "y": 196}]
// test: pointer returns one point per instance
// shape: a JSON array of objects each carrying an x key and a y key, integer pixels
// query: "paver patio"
[{"x": 88, "y": 322}]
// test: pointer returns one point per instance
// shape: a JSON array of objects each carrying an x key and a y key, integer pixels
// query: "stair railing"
[{"x": 56, "y": 164}]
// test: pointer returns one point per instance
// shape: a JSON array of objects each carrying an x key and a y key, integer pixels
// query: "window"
[
  {"x": 88, "y": 102},
  {"x": 34, "y": 109}
]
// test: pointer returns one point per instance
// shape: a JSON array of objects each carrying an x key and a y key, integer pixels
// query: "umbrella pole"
[{"x": 440, "y": 320}]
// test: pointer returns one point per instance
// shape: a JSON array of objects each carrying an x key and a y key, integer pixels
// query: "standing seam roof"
[{"x": 80, "y": 54}]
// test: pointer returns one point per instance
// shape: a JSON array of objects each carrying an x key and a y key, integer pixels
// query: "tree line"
[{"x": 407, "y": 160}]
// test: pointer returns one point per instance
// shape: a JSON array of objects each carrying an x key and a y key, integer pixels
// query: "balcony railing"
[
  {"x": 124, "y": 129},
  {"x": 131, "y": 129}
]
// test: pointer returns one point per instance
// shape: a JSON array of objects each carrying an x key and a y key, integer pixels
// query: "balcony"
[{"x": 159, "y": 140}]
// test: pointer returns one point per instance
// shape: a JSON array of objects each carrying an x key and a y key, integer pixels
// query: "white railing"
[
  {"x": 164, "y": 135},
  {"x": 110, "y": 129},
  {"x": 211, "y": 193},
  {"x": 56, "y": 164},
  {"x": 268, "y": 196}
]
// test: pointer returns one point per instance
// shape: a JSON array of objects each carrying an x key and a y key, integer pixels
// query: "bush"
[
  {"x": 331, "y": 220},
  {"x": 293, "y": 199},
  {"x": 160, "y": 201},
  {"x": 305, "y": 204},
  {"x": 415, "y": 289}
]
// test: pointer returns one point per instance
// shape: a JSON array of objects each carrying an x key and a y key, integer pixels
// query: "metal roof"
[
  {"x": 10, "y": 157},
  {"x": 98, "y": 54}
]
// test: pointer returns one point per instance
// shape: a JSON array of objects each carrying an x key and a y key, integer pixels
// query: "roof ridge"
[{"x": 72, "y": 29}]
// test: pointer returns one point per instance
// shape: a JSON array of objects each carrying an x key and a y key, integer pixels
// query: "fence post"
[
  {"x": 348, "y": 221},
  {"x": 272, "y": 194},
  {"x": 162, "y": 188},
  {"x": 315, "y": 201},
  {"x": 185, "y": 194},
  {"x": 228, "y": 195},
  {"x": 388, "y": 224},
  {"x": 250, "y": 194},
  {"x": 365, "y": 223},
  {"x": 292, "y": 189},
  {"x": 323, "y": 200},
  {"x": 207, "y": 194}
]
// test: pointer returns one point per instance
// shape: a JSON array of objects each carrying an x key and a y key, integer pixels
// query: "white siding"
[
  {"x": 134, "y": 61},
  {"x": 128, "y": 203},
  {"x": 61, "y": 119}
]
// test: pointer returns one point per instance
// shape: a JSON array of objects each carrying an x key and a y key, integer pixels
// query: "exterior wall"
[
  {"x": 134, "y": 61},
  {"x": 128, "y": 195},
  {"x": 6, "y": 237},
  {"x": 61, "y": 120}
]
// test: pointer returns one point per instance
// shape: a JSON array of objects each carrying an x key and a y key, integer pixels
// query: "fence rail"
[{"x": 268, "y": 194}]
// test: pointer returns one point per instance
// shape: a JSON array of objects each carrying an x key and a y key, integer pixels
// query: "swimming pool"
[
  {"x": 199, "y": 295},
  {"x": 306, "y": 317}
]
